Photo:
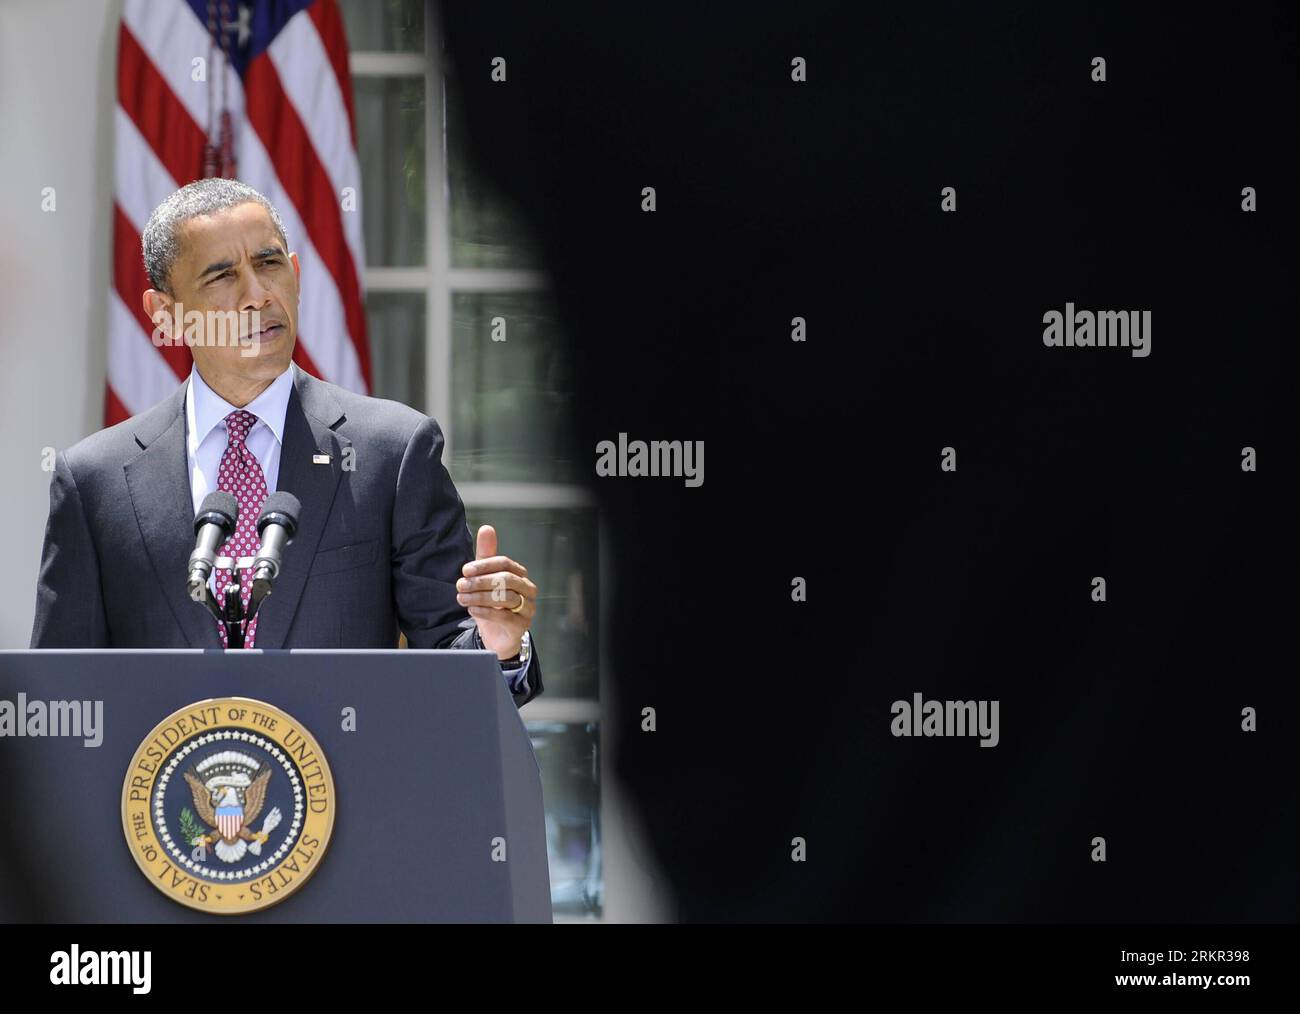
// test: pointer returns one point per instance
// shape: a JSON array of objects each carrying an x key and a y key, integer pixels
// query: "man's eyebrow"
[{"x": 269, "y": 251}]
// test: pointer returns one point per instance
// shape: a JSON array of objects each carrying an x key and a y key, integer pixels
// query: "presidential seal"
[{"x": 228, "y": 806}]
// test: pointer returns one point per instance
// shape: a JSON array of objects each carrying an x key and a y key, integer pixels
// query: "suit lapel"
[
  {"x": 308, "y": 430},
  {"x": 158, "y": 481}
]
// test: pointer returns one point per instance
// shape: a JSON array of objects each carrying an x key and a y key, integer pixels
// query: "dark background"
[{"x": 821, "y": 200}]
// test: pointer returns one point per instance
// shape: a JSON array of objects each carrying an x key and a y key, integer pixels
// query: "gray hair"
[{"x": 161, "y": 238}]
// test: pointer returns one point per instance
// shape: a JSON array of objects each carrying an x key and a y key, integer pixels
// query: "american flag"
[{"x": 259, "y": 91}]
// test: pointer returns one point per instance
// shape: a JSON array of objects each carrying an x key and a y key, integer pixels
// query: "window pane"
[
  {"x": 384, "y": 25},
  {"x": 390, "y": 145},
  {"x": 558, "y": 546},
  {"x": 396, "y": 321},
  {"x": 508, "y": 397},
  {"x": 486, "y": 231},
  {"x": 569, "y": 756}
]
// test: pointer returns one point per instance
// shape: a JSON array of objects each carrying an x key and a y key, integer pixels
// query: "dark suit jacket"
[{"x": 379, "y": 547}]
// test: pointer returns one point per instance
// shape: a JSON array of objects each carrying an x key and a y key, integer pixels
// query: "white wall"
[{"x": 57, "y": 87}]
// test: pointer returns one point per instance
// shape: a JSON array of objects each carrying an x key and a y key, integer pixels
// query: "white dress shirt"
[{"x": 206, "y": 437}]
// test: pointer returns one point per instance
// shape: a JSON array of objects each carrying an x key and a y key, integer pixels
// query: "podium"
[{"x": 435, "y": 801}]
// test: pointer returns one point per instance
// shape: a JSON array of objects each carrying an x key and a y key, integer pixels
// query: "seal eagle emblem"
[
  {"x": 228, "y": 805},
  {"x": 228, "y": 795}
]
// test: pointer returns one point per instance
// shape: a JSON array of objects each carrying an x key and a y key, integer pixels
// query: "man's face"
[{"x": 234, "y": 264}]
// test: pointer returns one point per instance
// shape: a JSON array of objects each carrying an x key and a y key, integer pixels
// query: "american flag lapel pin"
[{"x": 320, "y": 459}]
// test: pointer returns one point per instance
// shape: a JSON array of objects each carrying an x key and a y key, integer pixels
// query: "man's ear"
[
  {"x": 158, "y": 308},
  {"x": 297, "y": 268}
]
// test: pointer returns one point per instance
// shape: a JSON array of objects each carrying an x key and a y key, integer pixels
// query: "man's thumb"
[{"x": 486, "y": 543}]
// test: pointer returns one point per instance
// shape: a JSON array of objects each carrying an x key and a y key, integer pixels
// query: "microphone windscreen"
[
  {"x": 284, "y": 504},
  {"x": 219, "y": 502}
]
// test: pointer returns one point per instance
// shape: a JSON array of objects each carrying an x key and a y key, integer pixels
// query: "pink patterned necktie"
[{"x": 241, "y": 476}]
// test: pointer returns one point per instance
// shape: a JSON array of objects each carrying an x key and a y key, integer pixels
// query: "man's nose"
[{"x": 255, "y": 295}]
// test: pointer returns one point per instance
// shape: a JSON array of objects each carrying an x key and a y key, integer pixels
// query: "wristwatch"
[{"x": 519, "y": 658}]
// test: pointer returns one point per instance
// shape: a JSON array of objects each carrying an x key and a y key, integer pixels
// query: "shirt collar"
[{"x": 204, "y": 408}]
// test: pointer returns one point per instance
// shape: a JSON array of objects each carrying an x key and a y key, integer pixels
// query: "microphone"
[
  {"x": 276, "y": 529},
  {"x": 213, "y": 525}
]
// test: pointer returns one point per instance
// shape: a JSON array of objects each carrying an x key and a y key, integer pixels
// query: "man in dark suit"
[{"x": 382, "y": 544}]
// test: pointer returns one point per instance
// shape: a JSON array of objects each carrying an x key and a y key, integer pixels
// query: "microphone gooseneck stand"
[
  {"x": 230, "y": 613},
  {"x": 213, "y": 526}
]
